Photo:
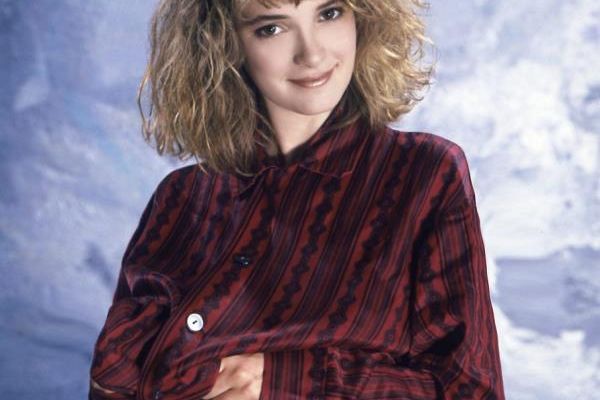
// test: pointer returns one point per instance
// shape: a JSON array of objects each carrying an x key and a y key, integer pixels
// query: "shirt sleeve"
[
  {"x": 141, "y": 303},
  {"x": 453, "y": 331},
  {"x": 453, "y": 351}
]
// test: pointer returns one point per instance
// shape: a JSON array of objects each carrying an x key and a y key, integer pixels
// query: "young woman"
[{"x": 311, "y": 252}]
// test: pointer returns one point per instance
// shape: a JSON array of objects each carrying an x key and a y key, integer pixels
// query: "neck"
[{"x": 292, "y": 129}]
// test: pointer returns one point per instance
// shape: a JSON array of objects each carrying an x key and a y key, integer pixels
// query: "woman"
[{"x": 313, "y": 252}]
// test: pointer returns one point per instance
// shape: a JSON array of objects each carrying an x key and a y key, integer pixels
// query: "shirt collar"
[{"x": 330, "y": 151}]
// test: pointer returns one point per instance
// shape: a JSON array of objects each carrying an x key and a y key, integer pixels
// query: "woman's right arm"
[{"x": 142, "y": 302}]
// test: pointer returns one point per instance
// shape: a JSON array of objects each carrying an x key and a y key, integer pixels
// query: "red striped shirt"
[{"x": 357, "y": 266}]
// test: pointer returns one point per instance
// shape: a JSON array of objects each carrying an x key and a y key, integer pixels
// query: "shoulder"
[
  {"x": 176, "y": 179},
  {"x": 441, "y": 164},
  {"x": 435, "y": 146},
  {"x": 179, "y": 184}
]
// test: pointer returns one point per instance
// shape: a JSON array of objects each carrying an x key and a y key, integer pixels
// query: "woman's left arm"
[
  {"x": 454, "y": 337},
  {"x": 453, "y": 351},
  {"x": 454, "y": 344}
]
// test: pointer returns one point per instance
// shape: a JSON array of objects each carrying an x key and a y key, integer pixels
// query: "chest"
[{"x": 299, "y": 243}]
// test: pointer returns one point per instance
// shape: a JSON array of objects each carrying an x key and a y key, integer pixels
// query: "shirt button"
[
  {"x": 195, "y": 322},
  {"x": 242, "y": 259},
  {"x": 157, "y": 395}
]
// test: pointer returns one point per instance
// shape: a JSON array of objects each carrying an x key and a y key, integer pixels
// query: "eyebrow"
[{"x": 271, "y": 17}]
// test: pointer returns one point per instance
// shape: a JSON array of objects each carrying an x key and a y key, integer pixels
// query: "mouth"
[{"x": 314, "y": 81}]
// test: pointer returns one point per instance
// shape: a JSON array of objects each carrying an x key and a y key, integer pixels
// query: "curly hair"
[{"x": 196, "y": 64}]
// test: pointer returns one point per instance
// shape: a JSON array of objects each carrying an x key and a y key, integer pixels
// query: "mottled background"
[{"x": 517, "y": 87}]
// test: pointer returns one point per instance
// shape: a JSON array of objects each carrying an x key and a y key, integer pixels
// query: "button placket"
[{"x": 195, "y": 321}]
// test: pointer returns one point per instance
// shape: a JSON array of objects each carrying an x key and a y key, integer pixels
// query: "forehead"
[
  {"x": 245, "y": 7},
  {"x": 266, "y": 3}
]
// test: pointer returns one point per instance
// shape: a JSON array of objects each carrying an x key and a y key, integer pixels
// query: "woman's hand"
[{"x": 240, "y": 378}]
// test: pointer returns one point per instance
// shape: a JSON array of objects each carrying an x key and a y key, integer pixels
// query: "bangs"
[{"x": 240, "y": 5}]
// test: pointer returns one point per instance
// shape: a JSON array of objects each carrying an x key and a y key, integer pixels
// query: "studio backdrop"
[{"x": 517, "y": 87}]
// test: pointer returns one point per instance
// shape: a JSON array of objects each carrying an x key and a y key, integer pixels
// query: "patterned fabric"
[{"x": 356, "y": 264}]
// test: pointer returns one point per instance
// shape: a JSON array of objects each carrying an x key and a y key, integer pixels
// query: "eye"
[
  {"x": 340, "y": 11},
  {"x": 267, "y": 31}
]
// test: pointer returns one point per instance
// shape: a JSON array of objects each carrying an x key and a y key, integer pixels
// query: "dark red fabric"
[{"x": 356, "y": 264}]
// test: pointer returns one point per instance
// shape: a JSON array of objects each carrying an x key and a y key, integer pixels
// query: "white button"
[{"x": 195, "y": 322}]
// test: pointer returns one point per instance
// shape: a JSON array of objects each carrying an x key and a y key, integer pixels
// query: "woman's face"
[{"x": 289, "y": 43}]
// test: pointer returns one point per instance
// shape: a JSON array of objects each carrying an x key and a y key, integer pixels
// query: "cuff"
[
  {"x": 96, "y": 393},
  {"x": 294, "y": 374}
]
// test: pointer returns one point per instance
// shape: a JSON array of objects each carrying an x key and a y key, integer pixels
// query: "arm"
[
  {"x": 453, "y": 332},
  {"x": 453, "y": 349},
  {"x": 453, "y": 352},
  {"x": 141, "y": 303}
]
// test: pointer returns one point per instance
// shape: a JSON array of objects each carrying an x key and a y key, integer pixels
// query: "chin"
[
  {"x": 318, "y": 104},
  {"x": 314, "y": 109}
]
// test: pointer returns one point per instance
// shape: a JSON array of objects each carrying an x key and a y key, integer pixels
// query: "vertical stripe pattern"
[{"x": 356, "y": 265}]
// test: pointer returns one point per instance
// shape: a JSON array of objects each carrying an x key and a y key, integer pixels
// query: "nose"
[{"x": 310, "y": 51}]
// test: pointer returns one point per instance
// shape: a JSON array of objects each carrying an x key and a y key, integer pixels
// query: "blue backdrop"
[{"x": 517, "y": 87}]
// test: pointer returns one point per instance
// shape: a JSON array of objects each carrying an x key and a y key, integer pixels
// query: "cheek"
[
  {"x": 264, "y": 65},
  {"x": 343, "y": 39},
  {"x": 350, "y": 36}
]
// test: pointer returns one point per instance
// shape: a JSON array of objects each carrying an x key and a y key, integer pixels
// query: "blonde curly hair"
[{"x": 196, "y": 64}]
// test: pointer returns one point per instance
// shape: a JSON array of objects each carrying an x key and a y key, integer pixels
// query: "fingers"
[
  {"x": 221, "y": 385},
  {"x": 250, "y": 391},
  {"x": 243, "y": 367},
  {"x": 239, "y": 375},
  {"x": 231, "y": 375}
]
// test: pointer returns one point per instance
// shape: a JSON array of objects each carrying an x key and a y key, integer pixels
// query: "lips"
[{"x": 319, "y": 80}]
